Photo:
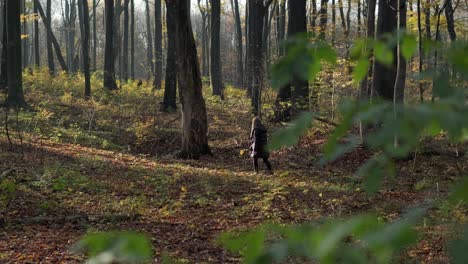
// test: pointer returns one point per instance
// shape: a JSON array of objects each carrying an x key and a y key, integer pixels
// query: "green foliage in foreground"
[{"x": 396, "y": 131}]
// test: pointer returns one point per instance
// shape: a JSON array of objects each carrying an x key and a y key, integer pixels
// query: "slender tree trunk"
[
  {"x": 420, "y": 51},
  {"x": 323, "y": 18},
  {"x": 25, "y": 41},
  {"x": 170, "y": 90},
  {"x": 359, "y": 23},
  {"x": 333, "y": 21},
  {"x": 37, "y": 54},
  {"x": 194, "y": 118},
  {"x": 158, "y": 45},
  {"x": 281, "y": 27},
  {"x": 215, "y": 65},
  {"x": 85, "y": 32},
  {"x": 51, "y": 39},
  {"x": 149, "y": 40},
  {"x": 109, "y": 66},
  {"x": 15, "y": 97},
  {"x": 450, "y": 21},
  {"x": 50, "y": 53},
  {"x": 427, "y": 20},
  {"x": 365, "y": 90},
  {"x": 239, "y": 49},
  {"x": 342, "y": 16},
  {"x": 132, "y": 40},
  {"x": 125, "y": 41},
  {"x": 94, "y": 36},
  {"x": 313, "y": 19}
]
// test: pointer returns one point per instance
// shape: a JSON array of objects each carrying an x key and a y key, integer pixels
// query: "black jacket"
[{"x": 259, "y": 143}]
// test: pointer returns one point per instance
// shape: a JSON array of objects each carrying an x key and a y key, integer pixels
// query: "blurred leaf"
[
  {"x": 290, "y": 135},
  {"x": 383, "y": 54},
  {"x": 408, "y": 46},
  {"x": 374, "y": 171},
  {"x": 458, "y": 249},
  {"x": 360, "y": 71},
  {"x": 111, "y": 247},
  {"x": 460, "y": 191}
]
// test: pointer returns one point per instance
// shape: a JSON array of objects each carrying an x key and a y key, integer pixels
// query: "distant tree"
[
  {"x": 125, "y": 41},
  {"x": 149, "y": 39},
  {"x": 37, "y": 54},
  {"x": 15, "y": 97},
  {"x": 323, "y": 18},
  {"x": 239, "y": 47},
  {"x": 205, "y": 46},
  {"x": 94, "y": 35},
  {"x": 109, "y": 67},
  {"x": 170, "y": 90},
  {"x": 158, "y": 45},
  {"x": 215, "y": 65},
  {"x": 50, "y": 53},
  {"x": 132, "y": 39},
  {"x": 194, "y": 119},
  {"x": 51, "y": 39},
  {"x": 450, "y": 21},
  {"x": 281, "y": 27},
  {"x": 85, "y": 32}
]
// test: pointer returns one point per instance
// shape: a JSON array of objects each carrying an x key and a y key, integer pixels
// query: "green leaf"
[
  {"x": 374, "y": 171},
  {"x": 458, "y": 249},
  {"x": 383, "y": 53},
  {"x": 360, "y": 71},
  {"x": 290, "y": 135},
  {"x": 110, "y": 247},
  {"x": 460, "y": 192},
  {"x": 408, "y": 46}
]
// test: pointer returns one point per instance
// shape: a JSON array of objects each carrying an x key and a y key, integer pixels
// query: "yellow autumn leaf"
[
  {"x": 242, "y": 152},
  {"x": 320, "y": 195},
  {"x": 183, "y": 188}
]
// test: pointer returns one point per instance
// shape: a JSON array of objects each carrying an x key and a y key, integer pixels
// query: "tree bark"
[
  {"x": 215, "y": 65},
  {"x": 149, "y": 40},
  {"x": 323, "y": 18},
  {"x": 37, "y": 54},
  {"x": 194, "y": 118},
  {"x": 94, "y": 36},
  {"x": 85, "y": 32},
  {"x": 385, "y": 77},
  {"x": 239, "y": 49},
  {"x": 50, "y": 53},
  {"x": 109, "y": 67},
  {"x": 15, "y": 96},
  {"x": 450, "y": 21},
  {"x": 158, "y": 45},
  {"x": 125, "y": 41},
  {"x": 132, "y": 40},
  {"x": 365, "y": 89},
  {"x": 3, "y": 58},
  {"x": 170, "y": 90}
]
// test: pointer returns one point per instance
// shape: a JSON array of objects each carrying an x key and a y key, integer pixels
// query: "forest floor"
[{"x": 121, "y": 173}]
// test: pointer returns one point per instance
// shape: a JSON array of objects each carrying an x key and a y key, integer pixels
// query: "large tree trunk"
[
  {"x": 149, "y": 40},
  {"x": 194, "y": 119},
  {"x": 52, "y": 39},
  {"x": 50, "y": 53},
  {"x": 239, "y": 49},
  {"x": 158, "y": 45},
  {"x": 386, "y": 77},
  {"x": 118, "y": 10},
  {"x": 170, "y": 90},
  {"x": 84, "y": 29},
  {"x": 256, "y": 18},
  {"x": 109, "y": 67},
  {"x": 3, "y": 58},
  {"x": 281, "y": 27},
  {"x": 450, "y": 21},
  {"x": 215, "y": 65},
  {"x": 15, "y": 97},
  {"x": 298, "y": 90},
  {"x": 125, "y": 41}
]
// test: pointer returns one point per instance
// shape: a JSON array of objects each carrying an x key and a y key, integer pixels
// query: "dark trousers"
[{"x": 267, "y": 163}]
